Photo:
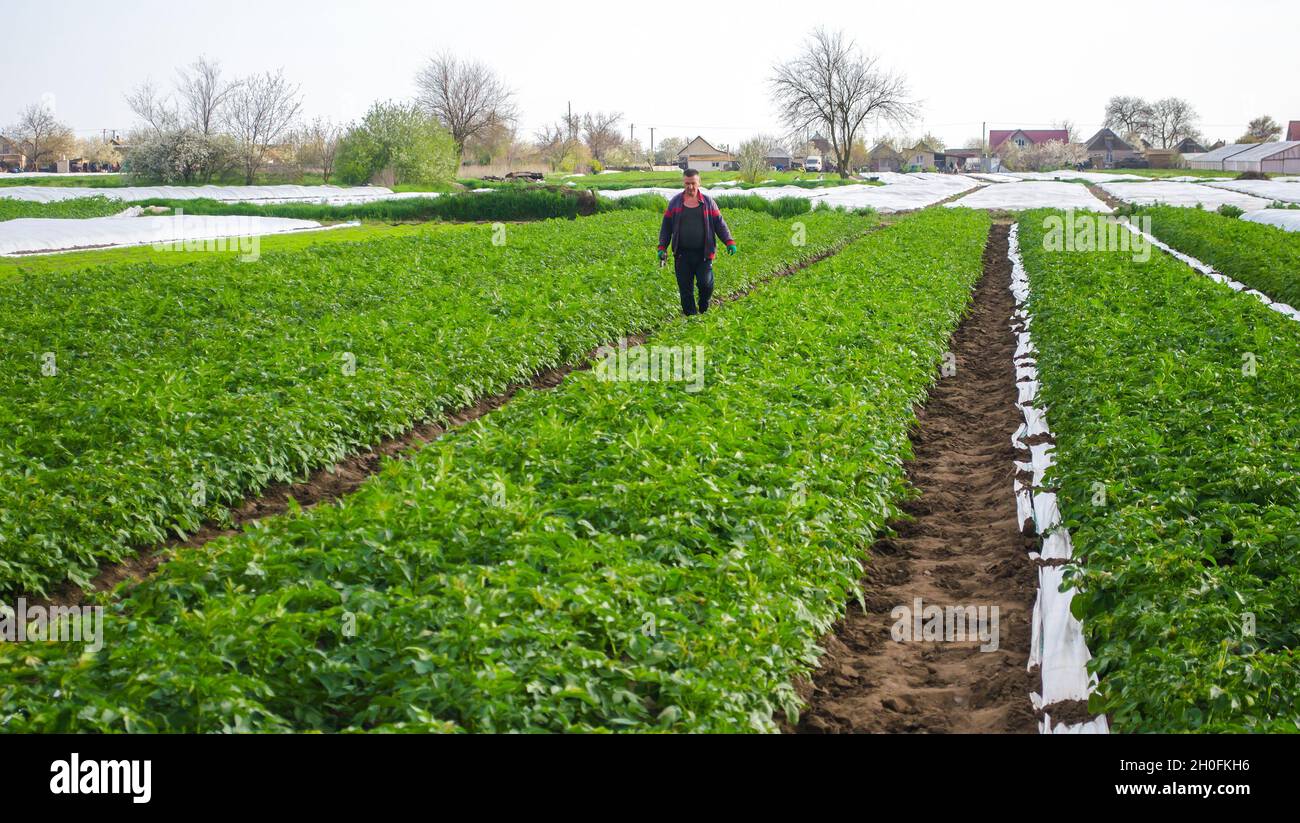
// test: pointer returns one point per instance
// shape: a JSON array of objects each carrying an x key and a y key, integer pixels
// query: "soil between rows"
[
  {"x": 961, "y": 546},
  {"x": 331, "y": 483}
]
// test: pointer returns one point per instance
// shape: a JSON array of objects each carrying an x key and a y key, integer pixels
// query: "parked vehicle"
[{"x": 812, "y": 163}]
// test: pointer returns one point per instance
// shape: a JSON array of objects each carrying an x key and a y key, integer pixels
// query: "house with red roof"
[{"x": 1024, "y": 138}]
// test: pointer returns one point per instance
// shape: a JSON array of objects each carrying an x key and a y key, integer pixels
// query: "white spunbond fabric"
[
  {"x": 1284, "y": 190},
  {"x": 1217, "y": 276},
  {"x": 993, "y": 177},
  {"x": 1057, "y": 647},
  {"x": 1066, "y": 174},
  {"x": 1172, "y": 193},
  {"x": 907, "y": 192},
  {"x": 43, "y": 234},
  {"x": 1285, "y": 219},
  {"x": 1033, "y": 195},
  {"x": 329, "y": 195}
]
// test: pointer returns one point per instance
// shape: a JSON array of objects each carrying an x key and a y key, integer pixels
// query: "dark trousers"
[{"x": 694, "y": 271}]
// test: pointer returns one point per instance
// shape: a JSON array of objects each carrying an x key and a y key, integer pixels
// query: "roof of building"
[
  {"x": 1224, "y": 152},
  {"x": 1263, "y": 151},
  {"x": 704, "y": 147},
  {"x": 1117, "y": 142},
  {"x": 999, "y": 136}
]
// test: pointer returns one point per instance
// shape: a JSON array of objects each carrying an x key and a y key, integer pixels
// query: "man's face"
[{"x": 691, "y": 185}]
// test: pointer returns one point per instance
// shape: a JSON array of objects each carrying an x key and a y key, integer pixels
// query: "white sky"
[{"x": 1014, "y": 65}]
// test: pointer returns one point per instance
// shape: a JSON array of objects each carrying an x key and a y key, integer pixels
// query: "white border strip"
[
  {"x": 1217, "y": 276},
  {"x": 1057, "y": 646}
]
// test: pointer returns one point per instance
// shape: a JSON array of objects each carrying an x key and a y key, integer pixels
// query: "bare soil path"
[{"x": 962, "y": 547}]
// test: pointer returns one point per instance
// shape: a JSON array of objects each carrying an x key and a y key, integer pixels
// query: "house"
[
  {"x": 1293, "y": 130},
  {"x": 1106, "y": 148},
  {"x": 960, "y": 158},
  {"x": 779, "y": 159},
  {"x": 699, "y": 154},
  {"x": 1024, "y": 138},
  {"x": 921, "y": 157},
  {"x": 11, "y": 154},
  {"x": 1189, "y": 145},
  {"x": 884, "y": 158}
]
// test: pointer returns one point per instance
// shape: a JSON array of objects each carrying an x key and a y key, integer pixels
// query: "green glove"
[
  {"x": 731, "y": 249},
  {"x": 663, "y": 255}
]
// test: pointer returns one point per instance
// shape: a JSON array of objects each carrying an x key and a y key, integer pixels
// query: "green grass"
[
  {"x": 235, "y": 375},
  {"x": 614, "y": 556},
  {"x": 95, "y": 181},
  {"x": 1263, "y": 257},
  {"x": 1162, "y": 173},
  {"x": 1190, "y": 567},
  {"x": 11, "y": 209}
]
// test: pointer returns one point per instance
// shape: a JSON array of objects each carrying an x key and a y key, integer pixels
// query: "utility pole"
[
  {"x": 984, "y": 146},
  {"x": 631, "y": 134},
  {"x": 652, "y": 146}
]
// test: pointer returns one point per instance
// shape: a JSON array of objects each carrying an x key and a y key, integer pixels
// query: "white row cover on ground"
[
  {"x": 1172, "y": 193},
  {"x": 331, "y": 195},
  {"x": 1286, "y": 219},
  {"x": 912, "y": 191},
  {"x": 1057, "y": 647},
  {"x": 1033, "y": 195},
  {"x": 1278, "y": 189},
  {"x": 1067, "y": 174},
  {"x": 993, "y": 177},
  {"x": 43, "y": 234}
]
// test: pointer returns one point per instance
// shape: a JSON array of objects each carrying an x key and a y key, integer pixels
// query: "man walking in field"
[{"x": 693, "y": 225}]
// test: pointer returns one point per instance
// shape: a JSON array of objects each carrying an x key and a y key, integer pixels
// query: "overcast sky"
[{"x": 1024, "y": 65}]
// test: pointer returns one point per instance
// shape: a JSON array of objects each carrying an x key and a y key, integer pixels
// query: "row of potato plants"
[
  {"x": 609, "y": 555},
  {"x": 1263, "y": 257},
  {"x": 13, "y": 209},
  {"x": 139, "y": 400},
  {"x": 1173, "y": 403}
]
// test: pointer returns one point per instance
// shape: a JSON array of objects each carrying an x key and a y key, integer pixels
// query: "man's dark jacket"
[{"x": 714, "y": 226}]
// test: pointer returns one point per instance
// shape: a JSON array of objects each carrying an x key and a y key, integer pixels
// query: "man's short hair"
[{"x": 691, "y": 173}]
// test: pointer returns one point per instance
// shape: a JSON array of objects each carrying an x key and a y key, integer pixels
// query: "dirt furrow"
[{"x": 960, "y": 548}]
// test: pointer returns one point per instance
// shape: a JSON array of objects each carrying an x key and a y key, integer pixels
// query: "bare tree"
[
  {"x": 1128, "y": 116},
  {"x": 464, "y": 95},
  {"x": 553, "y": 144},
  {"x": 317, "y": 144},
  {"x": 262, "y": 111},
  {"x": 601, "y": 133},
  {"x": 40, "y": 134},
  {"x": 204, "y": 95},
  {"x": 157, "y": 110},
  {"x": 1172, "y": 119},
  {"x": 833, "y": 87},
  {"x": 1261, "y": 130},
  {"x": 1071, "y": 130}
]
